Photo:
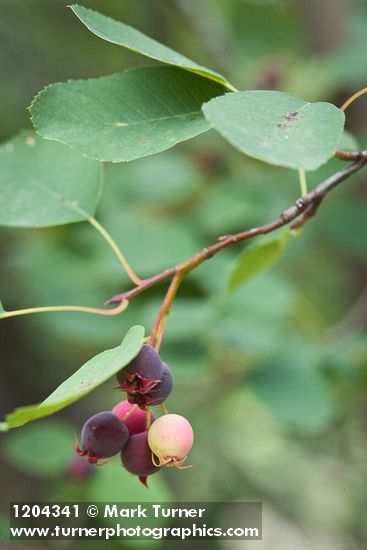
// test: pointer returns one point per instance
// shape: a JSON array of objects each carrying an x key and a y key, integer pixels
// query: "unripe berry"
[
  {"x": 136, "y": 457},
  {"x": 170, "y": 438},
  {"x": 136, "y": 420},
  {"x": 103, "y": 436}
]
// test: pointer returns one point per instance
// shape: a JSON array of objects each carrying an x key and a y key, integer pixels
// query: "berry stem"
[
  {"x": 130, "y": 412},
  {"x": 159, "y": 323},
  {"x": 148, "y": 418},
  {"x": 164, "y": 408}
]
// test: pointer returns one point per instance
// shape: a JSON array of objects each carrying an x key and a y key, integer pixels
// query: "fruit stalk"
[{"x": 159, "y": 324}]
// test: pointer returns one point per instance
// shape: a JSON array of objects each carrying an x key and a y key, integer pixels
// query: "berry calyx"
[
  {"x": 170, "y": 439},
  {"x": 162, "y": 390},
  {"x": 142, "y": 373},
  {"x": 136, "y": 457},
  {"x": 103, "y": 436},
  {"x": 146, "y": 379},
  {"x": 132, "y": 416}
]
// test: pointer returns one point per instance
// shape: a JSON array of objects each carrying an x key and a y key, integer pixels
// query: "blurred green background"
[{"x": 273, "y": 377}]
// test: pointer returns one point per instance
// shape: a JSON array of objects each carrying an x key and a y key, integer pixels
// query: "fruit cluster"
[{"x": 146, "y": 444}]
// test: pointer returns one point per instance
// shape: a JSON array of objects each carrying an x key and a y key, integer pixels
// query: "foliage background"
[{"x": 273, "y": 377}]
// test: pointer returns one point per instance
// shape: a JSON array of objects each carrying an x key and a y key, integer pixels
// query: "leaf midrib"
[{"x": 157, "y": 119}]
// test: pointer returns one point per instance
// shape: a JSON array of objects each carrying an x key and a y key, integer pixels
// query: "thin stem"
[
  {"x": 164, "y": 311},
  {"x": 302, "y": 182},
  {"x": 130, "y": 412},
  {"x": 148, "y": 419},
  {"x": 107, "y": 237},
  {"x": 85, "y": 309},
  {"x": 160, "y": 334},
  {"x": 164, "y": 408},
  {"x": 353, "y": 98}
]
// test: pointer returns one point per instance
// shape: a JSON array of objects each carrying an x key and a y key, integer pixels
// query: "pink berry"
[
  {"x": 136, "y": 420},
  {"x": 170, "y": 438}
]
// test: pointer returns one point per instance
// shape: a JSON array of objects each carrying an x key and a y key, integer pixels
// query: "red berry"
[
  {"x": 136, "y": 421},
  {"x": 103, "y": 436},
  {"x": 170, "y": 438}
]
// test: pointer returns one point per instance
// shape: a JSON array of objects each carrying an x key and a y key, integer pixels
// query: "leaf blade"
[
  {"x": 123, "y": 35},
  {"x": 277, "y": 127},
  {"x": 44, "y": 183},
  {"x": 93, "y": 373},
  {"x": 127, "y": 115}
]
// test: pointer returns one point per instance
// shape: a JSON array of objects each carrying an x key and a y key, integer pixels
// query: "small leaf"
[
  {"x": 256, "y": 258},
  {"x": 91, "y": 375},
  {"x": 44, "y": 183},
  {"x": 118, "y": 33},
  {"x": 127, "y": 115},
  {"x": 277, "y": 127}
]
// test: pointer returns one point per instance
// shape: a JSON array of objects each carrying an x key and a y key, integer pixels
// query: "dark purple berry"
[
  {"x": 136, "y": 456},
  {"x": 103, "y": 436},
  {"x": 141, "y": 376},
  {"x": 162, "y": 390},
  {"x": 147, "y": 364}
]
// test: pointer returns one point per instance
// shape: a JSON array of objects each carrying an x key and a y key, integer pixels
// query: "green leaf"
[
  {"x": 127, "y": 115},
  {"x": 91, "y": 375},
  {"x": 118, "y": 33},
  {"x": 256, "y": 258},
  {"x": 50, "y": 444},
  {"x": 277, "y": 127},
  {"x": 44, "y": 183}
]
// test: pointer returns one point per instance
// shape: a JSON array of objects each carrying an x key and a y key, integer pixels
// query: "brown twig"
[
  {"x": 304, "y": 208},
  {"x": 158, "y": 327},
  {"x": 350, "y": 155}
]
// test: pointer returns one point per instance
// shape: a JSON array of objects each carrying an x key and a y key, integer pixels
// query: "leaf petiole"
[
  {"x": 85, "y": 309},
  {"x": 353, "y": 98},
  {"x": 302, "y": 181},
  {"x": 107, "y": 237}
]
